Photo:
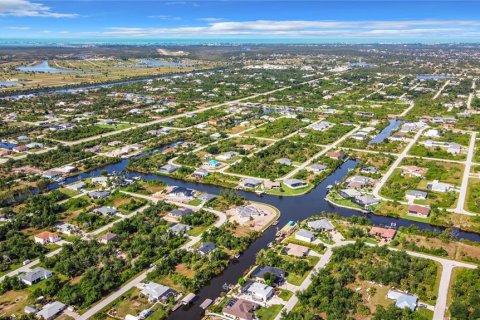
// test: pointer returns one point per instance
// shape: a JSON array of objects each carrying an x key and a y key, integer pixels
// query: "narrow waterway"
[{"x": 291, "y": 208}]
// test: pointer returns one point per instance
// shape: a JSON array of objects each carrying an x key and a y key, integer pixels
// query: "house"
[
  {"x": 368, "y": 170},
  {"x": 284, "y": 161},
  {"x": 106, "y": 211},
  {"x": 321, "y": 225},
  {"x": 51, "y": 310},
  {"x": 416, "y": 195},
  {"x": 414, "y": 171},
  {"x": 321, "y": 126},
  {"x": 258, "y": 291},
  {"x": 454, "y": 148},
  {"x": 99, "y": 194},
  {"x": 418, "y": 210},
  {"x": 360, "y": 136},
  {"x": 181, "y": 192},
  {"x": 66, "y": 228},
  {"x": 240, "y": 309},
  {"x": 296, "y": 250},
  {"x": 358, "y": 182},
  {"x": 318, "y": 168},
  {"x": 206, "y": 247},
  {"x": 46, "y": 237},
  {"x": 227, "y": 156},
  {"x": 403, "y": 300},
  {"x": 432, "y": 133},
  {"x": 168, "y": 168},
  {"x": 51, "y": 174},
  {"x": 250, "y": 183},
  {"x": 103, "y": 181},
  {"x": 295, "y": 183},
  {"x": 260, "y": 271},
  {"x": 305, "y": 235},
  {"x": 154, "y": 292},
  {"x": 349, "y": 193},
  {"x": 77, "y": 186},
  {"x": 35, "y": 275},
  {"x": 384, "y": 233},
  {"x": 269, "y": 185},
  {"x": 30, "y": 310},
  {"x": 107, "y": 238},
  {"x": 19, "y": 149},
  {"x": 249, "y": 211},
  {"x": 439, "y": 186},
  {"x": 200, "y": 173},
  {"x": 215, "y": 136},
  {"x": 366, "y": 200},
  {"x": 179, "y": 229},
  {"x": 336, "y": 155},
  {"x": 205, "y": 197},
  {"x": 178, "y": 213}
]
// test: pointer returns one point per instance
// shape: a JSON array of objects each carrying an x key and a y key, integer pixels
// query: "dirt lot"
[{"x": 255, "y": 223}]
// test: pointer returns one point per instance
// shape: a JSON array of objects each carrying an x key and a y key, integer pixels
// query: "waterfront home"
[
  {"x": 305, "y": 235},
  {"x": 336, "y": 155},
  {"x": 403, "y": 300},
  {"x": 296, "y": 250},
  {"x": 366, "y": 200},
  {"x": 181, "y": 192},
  {"x": 154, "y": 291},
  {"x": 258, "y": 291},
  {"x": 439, "y": 186},
  {"x": 206, "y": 247},
  {"x": 35, "y": 275},
  {"x": 259, "y": 273},
  {"x": 358, "y": 182},
  {"x": 368, "y": 170},
  {"x": 200, "y": 173},
  {"x": 240, "y": 309},
  {"x": 249, "y": 211},
  {"x": 417, "y": 210},
  {"x": 384, "y": 233},
  {"x": 168, "y": 168},
  {"x": 269, "y": 185},
  {"x": 317, "y": 168},
  {"x": 103, "y": 181},
  {"x": 295, "y": 183},
  {"x": 349, "y": 193},
  {"x": 76, "y": 186},
  {"x": 321, "y": 225},
  {"x": 250, "y": 183},
  {"x": 46, "y": 237}
]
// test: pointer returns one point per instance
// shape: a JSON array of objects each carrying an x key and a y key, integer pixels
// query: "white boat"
[{"x": 329, "y": 187}]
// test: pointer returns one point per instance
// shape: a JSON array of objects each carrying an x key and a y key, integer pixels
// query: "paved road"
[
  {"x": 395, "y": 164},
  {"x": 466, "y": 174},
  {"x": 471, "y": 95},
  {"x": 319, "y": 154},
  {"x": 29, "y": 266},
  {"x": 441, "y": 89}
]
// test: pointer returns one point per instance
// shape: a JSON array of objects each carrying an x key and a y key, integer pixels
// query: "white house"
[{"x": 305, "y": 235}]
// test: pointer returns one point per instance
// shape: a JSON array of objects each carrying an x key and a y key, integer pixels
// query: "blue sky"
[{"x": 323, "y": 21}]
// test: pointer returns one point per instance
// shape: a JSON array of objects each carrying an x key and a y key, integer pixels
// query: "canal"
[{"x": 291, "y": 208}]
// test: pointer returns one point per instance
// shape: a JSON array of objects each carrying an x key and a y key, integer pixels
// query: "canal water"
[{"x": 291, "y": 208}]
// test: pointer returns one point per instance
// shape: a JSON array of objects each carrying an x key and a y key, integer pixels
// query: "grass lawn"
[
  {"x": 285, "y": 294},
  {"x": 337, "y": 199},
  {"x": 473, "y": 196},
  {"x": 196, "y": 231},
  {"x": 129, "y": 303},
  {"x": 68, "y": 192},
  {"x": 297, "y": 279},
  {"x": 195, "y": 202},
  {"x": 425, "y": 312},
  {"x": 269, "y": 313},
  {"x": 286, "y": 191},
  {"x": 13, "y": 302}
]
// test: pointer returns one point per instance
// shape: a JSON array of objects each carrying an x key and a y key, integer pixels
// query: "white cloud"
[
  {"x": 210, "y": 19},
  {"x": 165, "y": 17},
  {"x": 18, "y": 28},
  {"x": 26, "y": 8},
  {"x": 299, "y": 28}
]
